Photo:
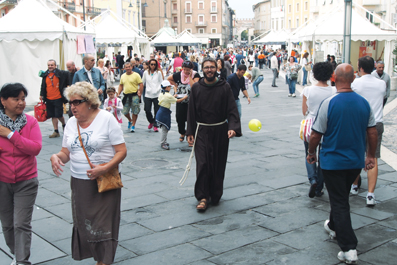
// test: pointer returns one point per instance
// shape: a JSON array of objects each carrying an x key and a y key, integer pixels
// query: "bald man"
[
  {"x": 72, "y": 69},
  {"x": 343, "y": 120}
]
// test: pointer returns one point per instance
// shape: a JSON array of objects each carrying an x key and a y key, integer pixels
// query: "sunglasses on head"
[
  {"x": 187, "y": 64},
  {"x": 77, "y": 102}
]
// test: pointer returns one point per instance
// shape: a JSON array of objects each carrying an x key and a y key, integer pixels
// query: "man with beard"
[{"x": 212, "y": 119}]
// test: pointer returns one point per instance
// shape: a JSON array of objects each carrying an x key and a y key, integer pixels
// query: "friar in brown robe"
[{"x": 213, "y": 110}]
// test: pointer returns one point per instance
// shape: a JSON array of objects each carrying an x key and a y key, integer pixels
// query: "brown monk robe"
[{"x": 211, "y": 104}]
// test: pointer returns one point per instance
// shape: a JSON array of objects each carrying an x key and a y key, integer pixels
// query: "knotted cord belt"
[{"x": 187, "y": 170}]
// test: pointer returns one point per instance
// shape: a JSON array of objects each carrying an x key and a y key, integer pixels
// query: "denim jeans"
[
  {"x": 256, "y": 62},
  {"x": 314, "y": 172},
  {"x": 304, "y": 82},
  {"x": 256, "y": 84},
  {"x": 291, "y": 85},
  {"x": 238, "y": 106}
]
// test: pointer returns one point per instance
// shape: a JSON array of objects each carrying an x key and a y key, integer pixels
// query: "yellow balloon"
[{"x": 255, "y": 125}]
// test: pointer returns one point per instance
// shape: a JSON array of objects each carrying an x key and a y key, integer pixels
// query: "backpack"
[{"x": 242, "y": 61}]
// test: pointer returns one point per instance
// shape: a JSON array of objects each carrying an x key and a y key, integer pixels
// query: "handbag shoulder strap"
[{"x": 82, "y": 145}]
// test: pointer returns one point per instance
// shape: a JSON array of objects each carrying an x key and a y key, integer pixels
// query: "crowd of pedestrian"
[{"x": 346, "y": 119}]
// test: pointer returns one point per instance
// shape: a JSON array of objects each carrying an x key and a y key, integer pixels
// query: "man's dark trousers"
[{"x": 338, "y": 184}]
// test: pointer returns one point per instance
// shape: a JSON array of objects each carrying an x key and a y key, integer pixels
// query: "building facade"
[
  {"x": 130, "y": 11},
  {"x": 297, "y": 12},
  {"x": 262, "y": 17},
  {"x": 155, "y": 14},
  {"x": 277, "y": 14},
  {"x": 209, "y": 20}
]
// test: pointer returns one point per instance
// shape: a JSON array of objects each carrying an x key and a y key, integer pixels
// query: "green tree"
[{"x": 244, "y": 35}]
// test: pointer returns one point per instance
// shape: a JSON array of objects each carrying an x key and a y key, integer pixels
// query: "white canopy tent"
[
  {"x": 164, "y": 39},
  {"x": 274, "y": 38},
  {"x": 185, "y": 38},
  {"x": 330, "y": 29},
  {"x": 110, "y": 29},
  {"x": 30, "y": 35}
]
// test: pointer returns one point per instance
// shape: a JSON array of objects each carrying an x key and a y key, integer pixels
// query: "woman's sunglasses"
[{"x": 77, "y": 102}]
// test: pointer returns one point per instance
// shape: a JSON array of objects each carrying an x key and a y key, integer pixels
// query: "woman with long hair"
[
  {"x": 221, "y": 70},
  {"x": 304, "y": 62},
  {"x": 152, "y": 79}
]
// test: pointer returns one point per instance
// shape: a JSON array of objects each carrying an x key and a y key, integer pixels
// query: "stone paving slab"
[
  {"x": 258, "y": 253},
  {"x": 41, "y": 251},
  {"x": 165, "y": 239},
  {"x": 218, "y": 244}
]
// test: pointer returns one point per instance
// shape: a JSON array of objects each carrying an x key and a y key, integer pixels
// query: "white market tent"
[
  {"x": 185, "y": 38},
  {"x": 274, "y": 38},
  {"x": 30, "y": 35},
  {"x": 112, "y": 30},
  {"x": 164, "y": 39},
  {"x": 330, "y": 29}
]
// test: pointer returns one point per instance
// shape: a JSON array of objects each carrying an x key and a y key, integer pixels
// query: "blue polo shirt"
[{"x": 343, "y": 120}]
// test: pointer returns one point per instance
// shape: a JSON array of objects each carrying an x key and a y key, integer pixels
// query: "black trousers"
[
  {"x": 148, "y": 109},
  {"x": 338, "y": 183},
  {"x": 181, "y": 117}
]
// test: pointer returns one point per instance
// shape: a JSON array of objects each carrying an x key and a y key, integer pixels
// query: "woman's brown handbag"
[{"x": 110, "y": 180}]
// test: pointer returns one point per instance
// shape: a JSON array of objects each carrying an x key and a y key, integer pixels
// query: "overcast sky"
[{"x": 243, "y": 8}]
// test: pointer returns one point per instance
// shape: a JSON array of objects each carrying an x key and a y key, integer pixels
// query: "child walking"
[
  {"x": 113, "y": 104},
  {"x": 163, "y": 116}
]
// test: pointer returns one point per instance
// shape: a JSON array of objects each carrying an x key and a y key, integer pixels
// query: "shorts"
[
  {"x": 379, "y": 129},
  {"x": 133, "y": 105},
  {"x": 54, "y": 108}
]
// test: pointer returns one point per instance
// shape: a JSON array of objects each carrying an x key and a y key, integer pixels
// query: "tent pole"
[{"x": 347, "y": 32}]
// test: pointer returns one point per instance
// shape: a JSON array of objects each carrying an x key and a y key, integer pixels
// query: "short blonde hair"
[
  {"x": 192, "y": 58},
  {"x": 101, "y": 61},
  {"x": 86, "y": 91}
]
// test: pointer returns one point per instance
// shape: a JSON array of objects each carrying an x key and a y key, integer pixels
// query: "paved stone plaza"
[{"x": 265, "y": 215}]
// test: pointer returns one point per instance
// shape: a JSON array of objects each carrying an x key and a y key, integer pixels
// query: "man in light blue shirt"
[{"x": 90, "y": 74}]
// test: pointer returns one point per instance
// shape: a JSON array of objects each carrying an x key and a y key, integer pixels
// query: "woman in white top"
[
  {"x": 96, "y": 216},
  {"x": 304, "y": 62},
  {"x": 152, "y": 79},
  {"x": 251, "y": 57},
  {"x": 312, "y": 96}
]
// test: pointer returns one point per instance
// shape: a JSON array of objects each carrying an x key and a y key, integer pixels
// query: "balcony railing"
[
  {"x": 68, "y": 6},
  {"x": 213, "y": 10},
  {"x": 201, "y": 24},
  {"x": 174, "y": 24},
  {"x": 93, "y": 11},
  {"x": 188, "y": 11},
  {"x": 174, "y": 11}
]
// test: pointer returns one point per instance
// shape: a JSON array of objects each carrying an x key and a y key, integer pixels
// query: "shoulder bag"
[
  {"x": 308, "y": 67},
  {"x": 305, "y": 129},
  {"x": 110, "y": 180}
]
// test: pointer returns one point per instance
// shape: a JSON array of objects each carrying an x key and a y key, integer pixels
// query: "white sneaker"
[
  {"x": 348, "y": 257},
  {"x": 293, "y": 95},
  {"x": 289, "y": 95},
  {"x": 331, "y": 232},
  {"x": 371, "y": 200},
  {"x": 354, "y": 190},
  {"x": 14, "y": 261}
]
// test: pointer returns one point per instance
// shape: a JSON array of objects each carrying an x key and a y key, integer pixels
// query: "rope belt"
[{"x": 185, "y": 175}]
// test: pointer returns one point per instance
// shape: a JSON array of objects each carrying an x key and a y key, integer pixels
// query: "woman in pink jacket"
[{"x": 20, "y": 143}]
